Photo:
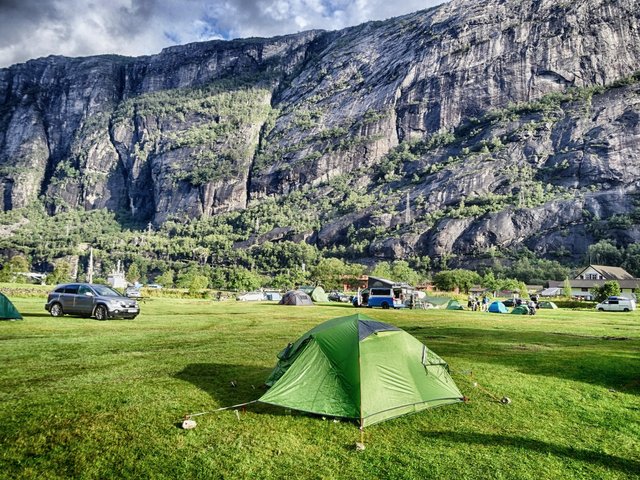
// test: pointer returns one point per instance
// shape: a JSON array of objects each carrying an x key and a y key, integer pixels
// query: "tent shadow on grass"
[
  {"x": 624, "y": 465},
  {"x": 216, "y": 380},
  {"x": 540, "y": 353},
  {"x": 38, "y": 315}
]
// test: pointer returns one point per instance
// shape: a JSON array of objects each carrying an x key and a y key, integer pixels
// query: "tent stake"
[{"x": 360, "y": 444}]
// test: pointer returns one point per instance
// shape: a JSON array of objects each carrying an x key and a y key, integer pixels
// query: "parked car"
[
  {"x": 90, "y": 300},
  {"x": 133, "y": 292},
  {"x": 154, "y": 286},
  {"x": 339, "y": 297},
  {"x": 617, "y": 304},
  {"x": 251, "y": 297}
]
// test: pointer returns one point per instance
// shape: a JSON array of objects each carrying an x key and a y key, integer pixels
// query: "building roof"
[
  {"x": 627, "y": 283},
  {"x": 610, "y": 273},
  {"x": 550, "y": 292}
]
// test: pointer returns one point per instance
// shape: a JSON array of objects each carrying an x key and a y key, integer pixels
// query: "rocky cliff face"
[{"x": 456, "y": 130}]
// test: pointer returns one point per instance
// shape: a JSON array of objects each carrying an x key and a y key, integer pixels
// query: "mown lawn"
[{"x": 86, "y": 399}]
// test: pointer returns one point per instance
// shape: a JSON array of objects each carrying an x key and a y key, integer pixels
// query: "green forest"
[{"x": 214, "y": 253}]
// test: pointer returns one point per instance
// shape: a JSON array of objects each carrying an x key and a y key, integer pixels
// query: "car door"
[
  {"x": 84, "y": 300},
  {"x": 68, "y": 299}
]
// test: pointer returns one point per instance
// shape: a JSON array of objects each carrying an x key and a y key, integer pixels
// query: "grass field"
[{"x": 86, "y": 399}]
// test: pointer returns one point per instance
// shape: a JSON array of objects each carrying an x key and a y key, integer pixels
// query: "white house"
[{"x": 596, "y": 275}]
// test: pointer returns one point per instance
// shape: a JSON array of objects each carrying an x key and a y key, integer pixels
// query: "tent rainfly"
[
  {"x": 316, "y": 293},
  {"x": 438, "y": 301},
  {"x": 545, "y": 304},
  {"x": 498, "y": 307},
  {"x": 7, "y": 310},
  {"x": 454, "y": 305},
  {"x": 296, "y": 297},
  {"x": 358, "y": 368}
]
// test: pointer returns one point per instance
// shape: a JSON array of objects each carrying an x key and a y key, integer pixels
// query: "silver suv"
[{"x": 90, "y": 300}]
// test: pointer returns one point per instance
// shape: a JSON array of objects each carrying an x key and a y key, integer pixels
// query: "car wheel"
[
  {"x": 601, "y": 309},
  {"x": 385, "y": 306},
  {"x": 56, "y": 310},
  {"x": 101, "y": 312},
  {"x": 626, "y": 309}
]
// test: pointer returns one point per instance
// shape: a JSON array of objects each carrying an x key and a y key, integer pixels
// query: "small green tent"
[
  {"x": 454, "y": 305},
  {"x": 356, "y": 367},
  {"x": 437, "y": 301},
  {"x": 316, "y": 293},
  {"x": 7, "y": 310},
  {"x": 546, "y": 304},
  {"x": 520, "y": 310}
]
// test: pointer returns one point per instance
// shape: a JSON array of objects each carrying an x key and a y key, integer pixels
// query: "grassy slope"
[{"x": 81, "y": 398}]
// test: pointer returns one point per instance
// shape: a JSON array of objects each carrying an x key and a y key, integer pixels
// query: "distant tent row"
[
  {"x": 358, "y": 368},
  {"x": 499, "y": 307},
  {"x": 7, "y": 310}
]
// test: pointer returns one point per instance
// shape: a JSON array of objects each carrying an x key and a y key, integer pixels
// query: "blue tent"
[{"x": 498, "y": 307}]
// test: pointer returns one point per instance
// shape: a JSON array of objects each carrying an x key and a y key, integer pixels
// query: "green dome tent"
[
  {"x": 316, "y": 293},
  {"x": 497, "y": 307},
  {"x": 520, "y": 310},
  {"x": 546, "y": 304},
  {"x": 356, "y": 367},
  {"x": 454, "y": 305},
  {"x": 296, "y": 297},
  {"x": 7, "y": 310}
]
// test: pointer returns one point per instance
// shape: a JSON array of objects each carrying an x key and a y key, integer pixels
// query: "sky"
[{"x": 38, "y": 28}]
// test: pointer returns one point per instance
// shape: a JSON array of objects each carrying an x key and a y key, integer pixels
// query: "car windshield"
[{"x": 105, "y": 291}]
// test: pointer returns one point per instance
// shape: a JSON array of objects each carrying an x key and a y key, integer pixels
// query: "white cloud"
[{"x": 36, "y": 28}]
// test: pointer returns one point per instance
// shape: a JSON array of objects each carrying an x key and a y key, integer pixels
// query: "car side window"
[
  {"x": 83, "y": 290},
  {"x": 71, "y": 289},
  {"x": 380, "y": 292},
  {"x": 59, "y": 290}
]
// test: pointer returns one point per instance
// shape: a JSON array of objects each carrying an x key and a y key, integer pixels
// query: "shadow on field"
[
  {"x": 472, "y": 438},
  {"x": 227, "y": 384},
  {"x": 611, "y": 362},
  {"x": 40, "y": 315}
]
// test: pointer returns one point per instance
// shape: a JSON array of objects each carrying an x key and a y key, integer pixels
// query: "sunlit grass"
[{"x": 82, "y": 398}]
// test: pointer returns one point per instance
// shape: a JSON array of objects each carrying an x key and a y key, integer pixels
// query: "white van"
[{"x": 617, "y": 304}]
